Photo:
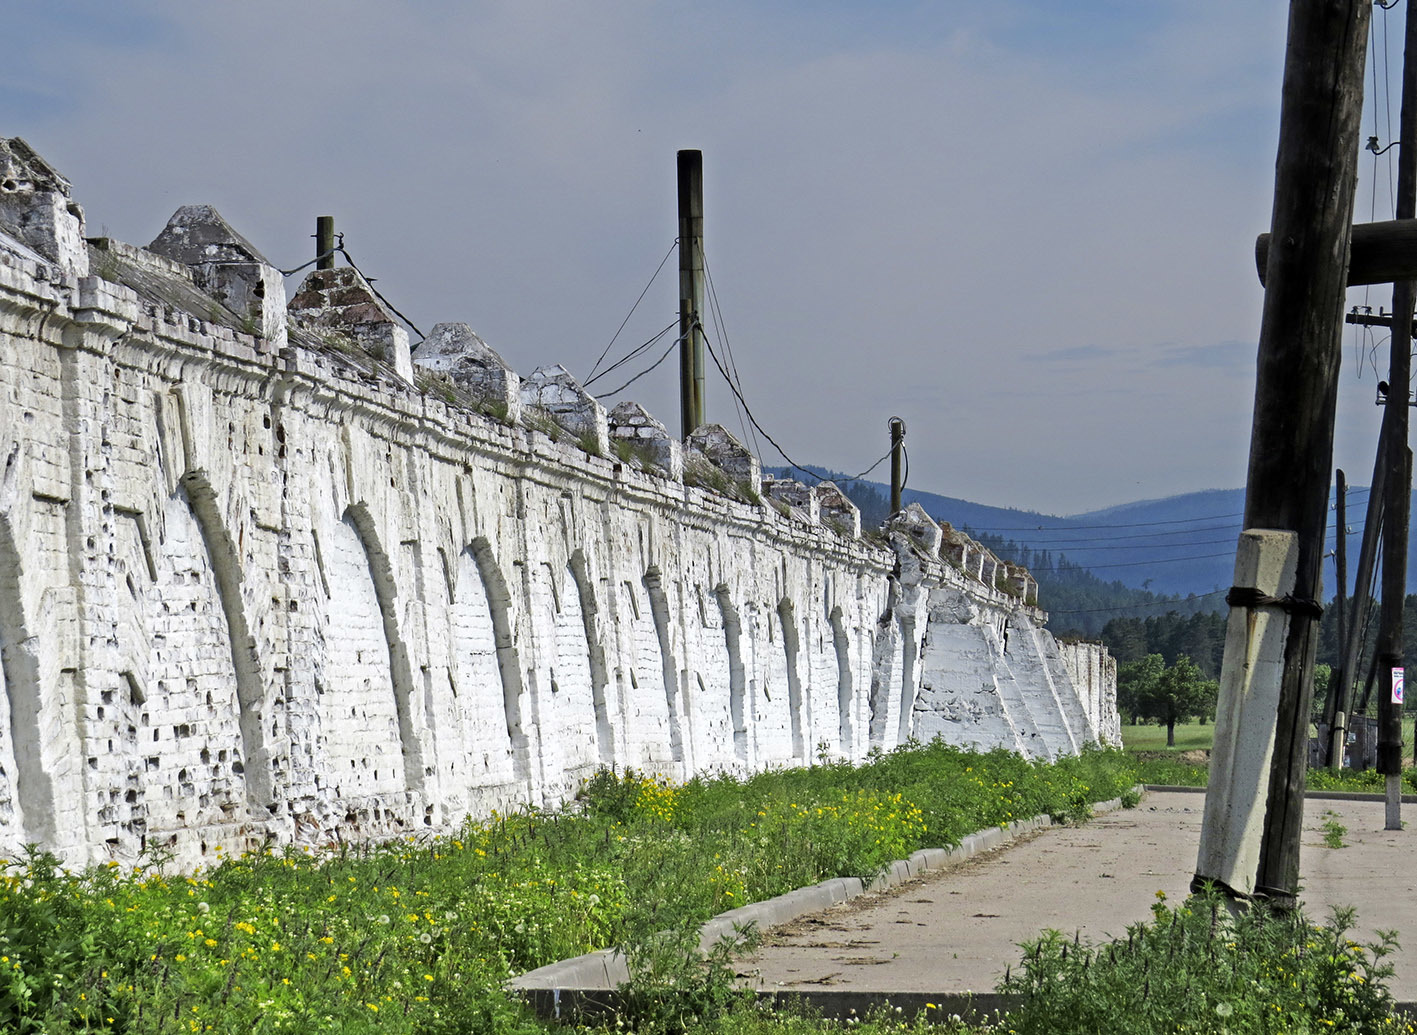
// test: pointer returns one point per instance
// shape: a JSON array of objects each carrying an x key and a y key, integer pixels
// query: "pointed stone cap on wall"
[
  {"x": 36, "y": 207},
  {"x": 920, "y": 527},
  {"x": 198, "y": 234},
  {"x": 647, "y": 438},
  {"x": 456, "y": 350},
  {"x": 227, "y": 266},
  {"x": 837, "y": 509},
  {"x": 801, "y": 502},
  {"x": 717, "y": 445},
  {"x": 557, "y": 394},
  {"x": 341, "y": 300}
]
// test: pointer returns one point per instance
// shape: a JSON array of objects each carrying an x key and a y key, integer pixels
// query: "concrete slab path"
[{"x": 956, "y": 930}]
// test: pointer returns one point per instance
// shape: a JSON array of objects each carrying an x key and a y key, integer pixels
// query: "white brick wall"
[{"x": 249, "y": 592}]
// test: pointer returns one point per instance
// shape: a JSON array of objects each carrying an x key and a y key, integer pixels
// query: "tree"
[
  {"x": 1136, "y": 685},
  {"x": 1181, "y": 691}
]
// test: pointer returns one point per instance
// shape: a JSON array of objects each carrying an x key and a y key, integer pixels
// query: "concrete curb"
[{"x": 583, "y": 981}]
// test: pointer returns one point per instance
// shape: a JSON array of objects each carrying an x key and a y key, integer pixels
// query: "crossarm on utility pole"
[{"x": 1381, "y": 253}]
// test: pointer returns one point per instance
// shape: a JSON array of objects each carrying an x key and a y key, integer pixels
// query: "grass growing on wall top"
[{"x": 418, "y": 935}]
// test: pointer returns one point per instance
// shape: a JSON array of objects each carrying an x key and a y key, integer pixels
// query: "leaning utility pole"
[
  {"x": 1340, "y": 563},
  {"x": 1350, "y": 644},
  {"x": 691, "y": 290},
  {"x": 1250, "y": 832},
  {"x": 1398, "y": 455}
]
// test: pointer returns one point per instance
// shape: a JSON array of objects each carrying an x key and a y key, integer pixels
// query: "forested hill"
[{"x": 1137, "y": 559}]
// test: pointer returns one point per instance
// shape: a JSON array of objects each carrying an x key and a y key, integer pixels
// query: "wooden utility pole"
[
  {"x": 1399, "y": 456},
  {"x": 324, "y": 242},
  {"x": 1340, "y": 563},
  {"x": 1349, "y": 662},
  {"x": 897, "y": 456},
  {"x": 1266, "y": 693},
  {"x": 691, "y": 290}
]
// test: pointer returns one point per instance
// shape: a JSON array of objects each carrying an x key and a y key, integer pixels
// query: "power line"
[
  {"x": 637, "y": 350},
  {"x": 1114, "y": 538},
  {"x": 653, "y": 277},
  {"x": 1132, "y": 524},
  {"x": 1168, "y": 602},
  {"x": 748, "y": 410},
  {"x": 339, "y": 247},
  {"x": 1138, "y": 564},
  {"x": 1137, "y": 546},
  {"x": 1081, "y": 545},
  {"x": 369, "y": 280},
  {"x": 642, "y": 373},
  {"x": 1070, "y": 528},
  {"x": 722, "y": 327}
]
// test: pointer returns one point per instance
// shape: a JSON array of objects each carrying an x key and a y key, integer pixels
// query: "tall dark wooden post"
[
  {"x": 324, "y": 242},
  {"x": 897, "y": 461},
  {"x": 1291, "y": 441},
  {"x": 691, "y": 290}
]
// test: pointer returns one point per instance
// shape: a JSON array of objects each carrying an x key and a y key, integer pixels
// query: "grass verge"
[{"x": 418, "y": 936}]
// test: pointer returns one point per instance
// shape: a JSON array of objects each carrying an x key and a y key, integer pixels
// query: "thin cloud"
[
  {"x": 1076, "y": 354},
  {"x": 1225, "y": 355}
]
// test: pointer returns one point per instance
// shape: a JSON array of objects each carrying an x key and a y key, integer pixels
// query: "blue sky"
[{"x": 1024, "y": 226}]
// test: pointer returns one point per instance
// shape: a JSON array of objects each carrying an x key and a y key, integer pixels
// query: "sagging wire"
[
  {"x": 749, "y": 411},
  {"x": 722, "y": 327},
  {"x": 642, "y": 373},
  {"x": 637, "y": 350},
  {"x": 339, "y": 248},
  {"x": 653, "y": 277}
]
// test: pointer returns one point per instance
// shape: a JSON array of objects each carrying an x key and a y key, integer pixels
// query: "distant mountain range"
[{"x": 1179, "y": 545}]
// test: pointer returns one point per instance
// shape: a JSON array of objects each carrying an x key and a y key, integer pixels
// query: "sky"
[{"x": 1026, "y": 227}]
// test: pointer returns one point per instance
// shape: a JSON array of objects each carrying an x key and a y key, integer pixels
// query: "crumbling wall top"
[
  {"x": 341, "y": 300},
  {"x": 198, "y": 234},
  {"x": 22, "y": 170}
]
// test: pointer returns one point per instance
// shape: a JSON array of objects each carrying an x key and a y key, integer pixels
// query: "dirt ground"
[{"x": 957, "y": 930}]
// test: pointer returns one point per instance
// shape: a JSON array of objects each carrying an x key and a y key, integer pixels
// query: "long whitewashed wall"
[{"x": 249, "y": 589}]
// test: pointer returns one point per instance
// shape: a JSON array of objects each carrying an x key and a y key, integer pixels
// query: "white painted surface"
[{"x": 345, "y": 608}]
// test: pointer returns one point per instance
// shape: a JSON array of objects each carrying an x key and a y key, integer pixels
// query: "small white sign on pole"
[{"x": 1397, "y": 686}]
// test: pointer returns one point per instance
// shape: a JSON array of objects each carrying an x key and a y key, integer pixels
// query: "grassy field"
[{"x": 1190, "y": 736}]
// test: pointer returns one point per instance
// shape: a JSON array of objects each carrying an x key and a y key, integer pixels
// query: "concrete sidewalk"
[{"x": 956, "y": 930}]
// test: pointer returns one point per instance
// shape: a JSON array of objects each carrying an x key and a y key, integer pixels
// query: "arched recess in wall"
[
  {"x": 226, "y": 573},
  {"x": 576, "y": 631},
  {"x": 909, "y": 658},
  {"x": 797, "y": 707},
  {"x": 886, "y": 653},
  {"x": 367, "y": 661},
  {"x": 490, "y": 654},
  {"x": 659, "y": 610},
  {"x": 845, "y": 695},
  {"x": 30, "y": 786},
  {"x": 737, "y": 678}
]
